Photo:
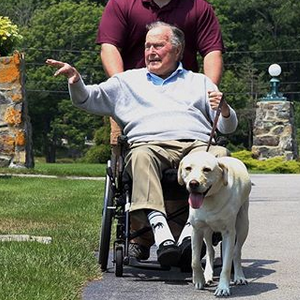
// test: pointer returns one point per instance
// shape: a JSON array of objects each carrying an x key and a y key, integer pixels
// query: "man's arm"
[
  {"x": 213, "y": 66},
  {"x": 111, "y": 59}
]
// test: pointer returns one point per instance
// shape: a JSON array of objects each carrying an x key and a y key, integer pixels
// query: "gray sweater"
[{"x": 148, "y": 112}]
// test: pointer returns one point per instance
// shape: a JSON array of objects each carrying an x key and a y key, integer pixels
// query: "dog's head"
[{"x": 203, "y": 175}]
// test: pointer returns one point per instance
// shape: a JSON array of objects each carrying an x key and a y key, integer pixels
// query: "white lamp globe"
[{"x": 274, "y": 70}]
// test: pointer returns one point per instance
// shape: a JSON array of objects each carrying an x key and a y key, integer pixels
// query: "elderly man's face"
[{"x": 161, "y": 57}]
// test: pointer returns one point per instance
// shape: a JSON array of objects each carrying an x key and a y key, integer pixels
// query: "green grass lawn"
[
  {"x": 69, "y": 211},
  {"x": 61, "y": 169}
]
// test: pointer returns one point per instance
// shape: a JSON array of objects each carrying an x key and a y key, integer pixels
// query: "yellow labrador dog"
[{"x": 219, "y": 198}]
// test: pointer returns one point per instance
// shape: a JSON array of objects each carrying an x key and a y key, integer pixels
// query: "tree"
[
  {"x": 244, "y": 86},
  {"x": 65, "y": 31},
  {"x": 257, "y": 34},
  {"x": 74, "y": 127},
  {"x": 265, "y": 31},
  {"x": 21, "y": 11}
]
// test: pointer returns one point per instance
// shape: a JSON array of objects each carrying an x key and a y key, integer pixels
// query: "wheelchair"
[{"x": 115, "y": 214}]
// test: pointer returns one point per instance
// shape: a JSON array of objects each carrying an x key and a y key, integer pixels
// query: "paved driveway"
[{"x": 271, "y": 255}]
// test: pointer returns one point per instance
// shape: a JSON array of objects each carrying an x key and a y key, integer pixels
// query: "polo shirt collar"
[
  {"x": 171, "y": 4},
  {"x": 156, "y": 80}
]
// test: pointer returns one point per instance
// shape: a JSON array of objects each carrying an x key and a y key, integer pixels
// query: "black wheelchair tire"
[
  {"x": 119, "y": 262},
  {"x": 106, "y": 224}
]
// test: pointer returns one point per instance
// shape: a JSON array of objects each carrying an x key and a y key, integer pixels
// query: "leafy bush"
[
  {"x": 101, "y": 152},
  {"x": 271, "y": 165},
  {"x": 97, "y": 154},
  {"x": 9, "y": 36},
  {"x": 102, "y": 134}
]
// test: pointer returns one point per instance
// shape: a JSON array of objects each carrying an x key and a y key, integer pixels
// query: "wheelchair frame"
[{"x": 117, "y": 197}]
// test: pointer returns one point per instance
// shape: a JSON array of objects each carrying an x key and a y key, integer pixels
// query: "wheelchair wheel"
[
  {"x": 106, "y": 224},
  {"x": 119, "y": 261}
]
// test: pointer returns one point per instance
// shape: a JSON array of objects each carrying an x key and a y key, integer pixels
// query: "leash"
[{"x": 213, "y": 130}]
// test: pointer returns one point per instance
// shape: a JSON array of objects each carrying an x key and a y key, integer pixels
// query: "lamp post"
[
  {"x": 274, "y": 95},
  {"x": 274, "y": 131}
]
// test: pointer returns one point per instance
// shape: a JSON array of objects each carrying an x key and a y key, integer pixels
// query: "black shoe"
[
  {"x": 138, "y": 251},
  {"x": 168, "y": 254},
  {"x": 185, "y": 260},
  {"x": 216, "y": 238}
]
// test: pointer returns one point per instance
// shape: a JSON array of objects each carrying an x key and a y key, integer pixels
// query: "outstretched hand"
[{"x": 64, "y": 69}]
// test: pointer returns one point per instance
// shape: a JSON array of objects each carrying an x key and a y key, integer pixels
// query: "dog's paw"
[
  {"x": 199, "y": 285},
  {"x": 198, "y": 280},
  {"x": 222, "y": 291},
  {"x": 239, "y": 278},
  {"x": 240, "y": 281}
]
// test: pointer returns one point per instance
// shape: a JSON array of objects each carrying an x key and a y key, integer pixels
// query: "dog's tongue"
[{"x": 196, "y": 200}]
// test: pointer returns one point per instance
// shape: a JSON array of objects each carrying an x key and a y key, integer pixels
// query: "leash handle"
[{"x": 213, "y": 130}]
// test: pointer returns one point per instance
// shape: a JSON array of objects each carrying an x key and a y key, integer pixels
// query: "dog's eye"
[
  {"x": 188, "y": 169},
  {"x": 206, "y": 170}
]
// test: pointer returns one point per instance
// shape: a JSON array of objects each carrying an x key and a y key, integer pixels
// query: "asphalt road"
[{"x": 271, "y": 256}]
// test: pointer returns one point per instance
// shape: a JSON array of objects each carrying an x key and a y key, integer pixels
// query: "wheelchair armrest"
[{"x": 122, "y": 139}]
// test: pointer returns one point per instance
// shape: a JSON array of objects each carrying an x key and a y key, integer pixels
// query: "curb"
[{"x": 8, "y": 175}]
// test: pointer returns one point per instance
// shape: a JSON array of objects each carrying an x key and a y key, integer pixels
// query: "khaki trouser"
[{"x": 145, "y": 164}]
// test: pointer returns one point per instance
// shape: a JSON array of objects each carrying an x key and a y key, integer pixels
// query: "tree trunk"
[{"x": 49, "y": 150}]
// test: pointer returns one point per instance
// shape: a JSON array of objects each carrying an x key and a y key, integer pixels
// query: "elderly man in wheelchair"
[{"x": 166, "y": 112}]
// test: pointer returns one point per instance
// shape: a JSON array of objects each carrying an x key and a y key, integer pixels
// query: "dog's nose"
[{"x": 193, "y": 184}]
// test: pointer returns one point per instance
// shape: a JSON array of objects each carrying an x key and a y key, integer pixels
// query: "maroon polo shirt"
[{"x": 123, "y": 24}]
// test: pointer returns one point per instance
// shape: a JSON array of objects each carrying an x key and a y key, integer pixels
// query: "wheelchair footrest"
[{"x": 147, "y": 264}]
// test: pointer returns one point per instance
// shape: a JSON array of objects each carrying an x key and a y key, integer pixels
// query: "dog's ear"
[
  {"x": 224, "y": 173},
  {"x": 179, "y": 177}
]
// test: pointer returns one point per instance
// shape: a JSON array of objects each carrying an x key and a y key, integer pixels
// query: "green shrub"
[
  {"x": 102, "y": 135},
  {"x": 279, "y": 165},
  {"x": 98, "y": 154},
  {"x": 9, "y": 36},
  {"x": 271, "y": 165},
  {"x": 101, "y": 152}
]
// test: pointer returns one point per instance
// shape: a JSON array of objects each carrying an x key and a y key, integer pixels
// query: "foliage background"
[
  {"x": 9, "y": 35},
  {"x": 256, "y": 34}
]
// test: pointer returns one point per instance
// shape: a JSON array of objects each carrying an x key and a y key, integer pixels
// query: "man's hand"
[
  {"x": 215, "y": 99},
  {"x": 64, "y": 69}
]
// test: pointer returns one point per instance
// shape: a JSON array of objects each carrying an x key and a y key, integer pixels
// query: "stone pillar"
[
  {"x": 15, "y": 128},
  {"x": 274, "y": 132}
]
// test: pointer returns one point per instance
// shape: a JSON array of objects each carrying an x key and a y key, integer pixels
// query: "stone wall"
[
  {"x": 274, "y": 132},
  {"x": 15, "y": 129}
]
